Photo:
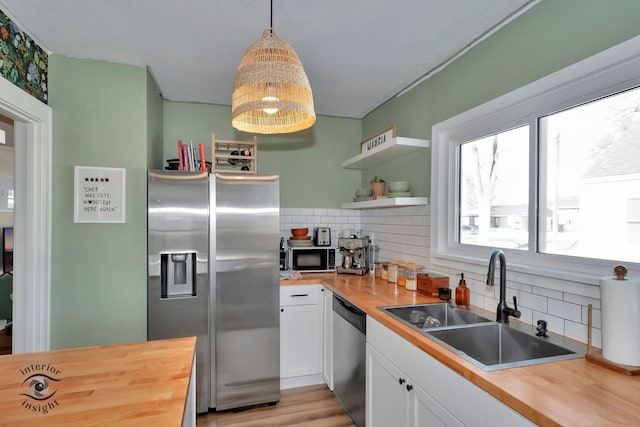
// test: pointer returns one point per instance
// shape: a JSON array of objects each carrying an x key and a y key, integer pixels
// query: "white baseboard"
[{"x": 303, "y": 381}]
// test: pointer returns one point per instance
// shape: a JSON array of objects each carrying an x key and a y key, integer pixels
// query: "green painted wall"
[
  {"x": 547, "y": 38},
  {"x": 155, "y": 119},
  {"x": 98, "y": 284},
  {"x": 108, "y": 114},
  {"x": 308, "y": 162}
]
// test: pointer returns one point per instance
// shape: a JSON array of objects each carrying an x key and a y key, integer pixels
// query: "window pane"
[
  {"x": 590, "y": 181},
  {"x": 494, "y": 190}
]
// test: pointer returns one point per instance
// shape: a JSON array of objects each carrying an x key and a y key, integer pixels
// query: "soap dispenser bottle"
[{"x": 462, "y": 293}]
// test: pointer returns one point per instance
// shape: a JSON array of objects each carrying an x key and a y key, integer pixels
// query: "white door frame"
[{"x": 33, "y": 142}]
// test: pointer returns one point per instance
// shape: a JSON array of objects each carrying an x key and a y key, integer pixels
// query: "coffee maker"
[{"x": 355, "y": 255}]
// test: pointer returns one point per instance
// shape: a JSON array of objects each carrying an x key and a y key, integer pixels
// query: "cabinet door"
[
  {"x": 499, "y": 414},
  {"x": 300, "y": 340},
  {"x": 427, "y": 412},
  {"x": 387, "y": 395},
  {"x": 440, "y": 382},
  {"x": 327, "y": 360}
]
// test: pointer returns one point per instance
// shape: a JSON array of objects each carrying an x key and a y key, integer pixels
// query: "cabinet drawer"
[{"x": 300, "y": 295}]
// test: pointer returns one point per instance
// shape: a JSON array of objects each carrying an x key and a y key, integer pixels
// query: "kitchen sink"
[
  {"x": 438, "y": 315},
  {"x": 498, "y": 346}
]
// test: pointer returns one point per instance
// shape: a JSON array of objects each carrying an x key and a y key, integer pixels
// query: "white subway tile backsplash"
[
  {"x": 526, "y": 315},
  {"x": 596, "y": 317},
  {"x": 490, "y": 303},
  {"x": 551, "y": 293},
  {"x": 576, "y": 331},
  {"x": 405, "y": 233},
  {"x": 565, "y": 310},
  {"x": 582, "y": 300},
  {"x": 477, "y": 300},
  {"x": 532, "y": 301},
  {"x": 341, "y": 220}
]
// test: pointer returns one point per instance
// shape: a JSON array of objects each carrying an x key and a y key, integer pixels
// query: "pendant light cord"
[{"x": 271, "y": 17}]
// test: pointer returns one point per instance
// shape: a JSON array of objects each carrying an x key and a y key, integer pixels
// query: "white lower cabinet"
[
  {"x": 499, "y": 414},
  {"x": 327, "y": 335},
  {"x": 387, "y": 397},
  {"x": 301, "y": 335},
  {"x": 408, "y": 387},
  {"x": 427, "y": 412},
  {"x": 395, "y": 399}
]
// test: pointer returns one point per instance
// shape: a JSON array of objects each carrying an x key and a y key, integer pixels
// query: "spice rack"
[{"x": 234, "y": 157}]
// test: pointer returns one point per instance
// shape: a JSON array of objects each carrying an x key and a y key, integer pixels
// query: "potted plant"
[{"x": 377, "y": 185}]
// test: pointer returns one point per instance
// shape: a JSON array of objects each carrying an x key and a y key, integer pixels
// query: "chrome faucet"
[{"x": 503, "y": 312}]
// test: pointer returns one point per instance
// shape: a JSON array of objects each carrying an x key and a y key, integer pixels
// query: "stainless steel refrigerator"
[{"x": 214, "y": 273}]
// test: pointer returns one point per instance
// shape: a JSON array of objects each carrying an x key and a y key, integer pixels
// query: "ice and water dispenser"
[{"x": 177, "y": 276}]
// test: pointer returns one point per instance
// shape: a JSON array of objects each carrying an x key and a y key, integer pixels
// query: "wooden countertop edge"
[
  {"x": 490, "y": 382},
  {"x": 81, "y": 381},
  {"x": 185, "y": 410}
]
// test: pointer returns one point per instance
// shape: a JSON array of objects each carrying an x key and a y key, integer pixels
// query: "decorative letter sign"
[
  {"x": 378, "y": 140},
  {"x": 99, "y": 194}
]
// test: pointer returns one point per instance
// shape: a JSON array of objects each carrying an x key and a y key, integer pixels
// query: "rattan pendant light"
[{"x": 271, "y": 91}]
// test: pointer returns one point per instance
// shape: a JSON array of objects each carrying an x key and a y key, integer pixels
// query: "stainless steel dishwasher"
[{"x": 349, "y": 346}]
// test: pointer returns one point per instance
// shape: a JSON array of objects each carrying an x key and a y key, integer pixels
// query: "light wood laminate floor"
[
  {"x": 312, "y": 406},
  {"x": 5, "y": 342}
]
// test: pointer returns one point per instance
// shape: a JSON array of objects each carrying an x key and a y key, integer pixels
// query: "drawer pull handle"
[{"x": 300, "y": 295}]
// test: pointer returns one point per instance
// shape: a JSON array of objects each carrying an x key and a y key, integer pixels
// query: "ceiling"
[{"x": 357, "y": 53}]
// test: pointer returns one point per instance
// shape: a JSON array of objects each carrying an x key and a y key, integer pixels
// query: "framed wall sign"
[{"x": 99, "y": 194}]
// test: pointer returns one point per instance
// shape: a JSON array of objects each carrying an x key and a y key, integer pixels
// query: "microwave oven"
[{"x": 312, "y": 259}]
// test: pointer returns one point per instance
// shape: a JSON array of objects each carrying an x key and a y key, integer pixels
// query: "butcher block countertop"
[
  {"x": 568, "y": 393},
  {"x": 136, "y": 384}
]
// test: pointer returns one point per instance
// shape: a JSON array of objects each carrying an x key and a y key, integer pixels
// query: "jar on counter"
[
  {"x": 381, "y": 270},
  {"x": 402, "y": 274},
  {"x": 392, "y": 271},
  {"x": 412, "y": 274}
]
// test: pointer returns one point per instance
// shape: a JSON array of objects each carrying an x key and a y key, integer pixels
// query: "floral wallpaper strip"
[{"x": 22, "y": 61}]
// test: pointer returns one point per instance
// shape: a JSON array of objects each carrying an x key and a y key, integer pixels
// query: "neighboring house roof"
[{"x": 621, "y": 157}]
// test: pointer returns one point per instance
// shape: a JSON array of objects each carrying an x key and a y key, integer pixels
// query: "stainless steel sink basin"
[
  {"x": 498, "y": 346},
  {"x": 427, "y": 316}
]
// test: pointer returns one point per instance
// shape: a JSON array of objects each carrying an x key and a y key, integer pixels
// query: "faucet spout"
[{"x": 503, "y": 311}]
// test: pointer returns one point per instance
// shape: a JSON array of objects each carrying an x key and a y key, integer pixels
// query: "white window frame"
[{"x": 607, "y": 72}]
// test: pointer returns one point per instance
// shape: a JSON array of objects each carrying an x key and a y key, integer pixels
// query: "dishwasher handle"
[{"x": 350, "y": 313}]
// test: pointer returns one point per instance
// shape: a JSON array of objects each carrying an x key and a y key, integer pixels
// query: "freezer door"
[
  {"x": 247, "y": 321},
  {"x": 178, "y": 269}
]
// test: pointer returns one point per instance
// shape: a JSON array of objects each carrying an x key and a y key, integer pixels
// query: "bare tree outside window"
[{"x": 494, "y": 190}]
